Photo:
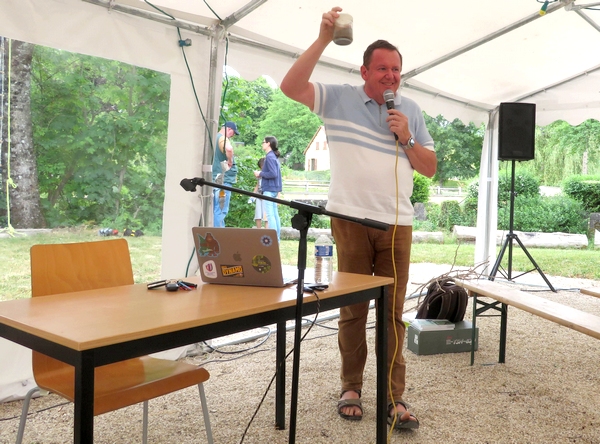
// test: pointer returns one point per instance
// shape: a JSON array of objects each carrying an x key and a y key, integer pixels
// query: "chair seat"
[{"x": 125, "y": 383}]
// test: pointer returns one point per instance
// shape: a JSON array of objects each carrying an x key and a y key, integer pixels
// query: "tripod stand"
[{"x": 508, "y": 243}]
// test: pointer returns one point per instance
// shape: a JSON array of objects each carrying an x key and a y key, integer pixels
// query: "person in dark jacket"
[{"x": 271, "y": 181}]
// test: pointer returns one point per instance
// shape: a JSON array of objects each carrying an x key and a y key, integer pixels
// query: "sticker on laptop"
[
  {"x": 232, "y": 271},
  {"x": 261, "y": 263},
  {"x": 208, "y": 245},
  {"x": 209, "y": 269},
  {"x": 266, "y": 240}
]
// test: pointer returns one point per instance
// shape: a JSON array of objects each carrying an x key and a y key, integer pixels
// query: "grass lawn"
[{"x": 146, "y": 258}]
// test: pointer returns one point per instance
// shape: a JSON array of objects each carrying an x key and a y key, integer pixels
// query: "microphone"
[
  {"x": 388, "y": 96},
  {"x": 190, "y": 184}
]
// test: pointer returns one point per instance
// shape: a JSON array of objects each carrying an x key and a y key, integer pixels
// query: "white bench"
[{"x": 504, "y": 296}]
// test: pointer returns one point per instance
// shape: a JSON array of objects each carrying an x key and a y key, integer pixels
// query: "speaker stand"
[{"x": 508, "y": 243}]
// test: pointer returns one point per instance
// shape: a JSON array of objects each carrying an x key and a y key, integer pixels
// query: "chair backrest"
[{"x": 63, "y": 268}]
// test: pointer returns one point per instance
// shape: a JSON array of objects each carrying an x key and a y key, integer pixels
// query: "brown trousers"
[{"x": 366, "y": 250}]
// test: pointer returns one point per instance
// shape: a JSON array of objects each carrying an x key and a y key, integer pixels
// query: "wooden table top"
[
  {"x": 90, "y": 319},
  {"x": 592, "y": 291}
]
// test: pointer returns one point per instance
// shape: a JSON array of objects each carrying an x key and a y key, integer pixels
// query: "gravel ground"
[{"x": 546, "y": 392}]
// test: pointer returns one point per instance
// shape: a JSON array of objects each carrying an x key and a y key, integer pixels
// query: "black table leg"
[
  {"x": 473, "y": 327},
  {"x": 503, "y": 325},
  {"x": 84, "y": 399},
  {"x": 382, "y": 337},
  {"x": 280, "y": 377}
]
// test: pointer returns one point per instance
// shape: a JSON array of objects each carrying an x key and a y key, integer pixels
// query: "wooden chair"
[{"x": 62, "y": 268}]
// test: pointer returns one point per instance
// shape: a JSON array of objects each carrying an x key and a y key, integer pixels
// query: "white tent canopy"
[
  {"x": 479, "y": 53},
  {"x": 461, "y": 60}
]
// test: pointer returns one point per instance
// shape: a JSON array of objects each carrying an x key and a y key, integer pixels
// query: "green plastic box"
[{"x": 442, "y": 341}]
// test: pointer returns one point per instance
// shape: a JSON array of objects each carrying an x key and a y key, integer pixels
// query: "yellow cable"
[{"x": 394, "y": 298}]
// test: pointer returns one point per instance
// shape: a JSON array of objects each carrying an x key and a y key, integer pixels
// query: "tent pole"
[
  {"x": 215, "y": 79},
  {"x": 487, "y": 202}
]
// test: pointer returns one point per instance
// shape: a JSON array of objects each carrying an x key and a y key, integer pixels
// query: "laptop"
[{"x": 241, "y": 256}]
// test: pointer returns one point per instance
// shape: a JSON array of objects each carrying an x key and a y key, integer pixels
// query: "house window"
[
  {"x": 317, "y": 146},
  {"x": 313, "y": 165},
  {"x": 324, "y": 146}
]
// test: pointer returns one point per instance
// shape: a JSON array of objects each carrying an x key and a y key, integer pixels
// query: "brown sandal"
[
  {"x": 411, "y": 423},
  {"x": 350, "y": 403}
]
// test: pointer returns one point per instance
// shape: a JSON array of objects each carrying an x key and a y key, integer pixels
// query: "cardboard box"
[{"x": 442, "y": 341}]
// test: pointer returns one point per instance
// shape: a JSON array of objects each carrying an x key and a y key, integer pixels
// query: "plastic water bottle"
[{"x": 323, "y": 259}]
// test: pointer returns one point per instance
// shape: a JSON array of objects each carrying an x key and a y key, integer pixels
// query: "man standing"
[
  {"x": 224, "y": 170},
  {"x": 374, "y": 152}
]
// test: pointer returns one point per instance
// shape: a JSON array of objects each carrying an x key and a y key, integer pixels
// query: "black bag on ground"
[{"x": 444, "y": 300}]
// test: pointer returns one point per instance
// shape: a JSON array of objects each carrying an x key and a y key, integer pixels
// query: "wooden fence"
[{"x": 322, "y": 187}]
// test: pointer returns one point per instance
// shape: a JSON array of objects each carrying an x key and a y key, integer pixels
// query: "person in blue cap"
[{"x": 224, "y": 170}]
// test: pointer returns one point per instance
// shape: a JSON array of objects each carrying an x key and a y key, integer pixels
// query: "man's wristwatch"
[{"x": 410, "y": 144}]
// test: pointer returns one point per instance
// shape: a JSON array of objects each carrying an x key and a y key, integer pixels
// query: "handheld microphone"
[
  {"x": 388, "y": 96},
  {"x": 190, "y": 184}
]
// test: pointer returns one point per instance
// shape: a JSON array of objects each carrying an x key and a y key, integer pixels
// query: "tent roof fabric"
[{"x": 473, "y": 54}]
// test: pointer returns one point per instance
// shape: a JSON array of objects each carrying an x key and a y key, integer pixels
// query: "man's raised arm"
[{"x": 296, "y": 84}]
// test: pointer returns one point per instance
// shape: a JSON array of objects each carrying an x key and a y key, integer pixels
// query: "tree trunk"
[
  {"x": 3, "y": 129},
  {"x": 25, "y": 211}
]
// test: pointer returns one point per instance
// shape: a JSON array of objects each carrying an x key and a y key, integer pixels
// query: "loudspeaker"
[{"x": 516, "y": 135}]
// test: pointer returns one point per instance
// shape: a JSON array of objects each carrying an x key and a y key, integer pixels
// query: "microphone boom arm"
[{"x": 190, "y": 185}]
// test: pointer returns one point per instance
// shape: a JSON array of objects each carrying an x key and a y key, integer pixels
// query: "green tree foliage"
[
  {"x": 293, "y": 124},
  {"x": 562, "y": 150},
  {"x": 457, "y": 147},
  {"x": 245, "y": 103},
  {"x": 100, "y": 138}
]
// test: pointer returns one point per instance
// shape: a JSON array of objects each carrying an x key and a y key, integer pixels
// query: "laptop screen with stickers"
[{"x": 241, "y": 256}]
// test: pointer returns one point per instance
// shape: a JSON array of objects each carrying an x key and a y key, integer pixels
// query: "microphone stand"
[{"x": 301, "y": 222}]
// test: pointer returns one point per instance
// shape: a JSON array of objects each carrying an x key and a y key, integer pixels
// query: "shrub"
[
  {"x": 424, "y": 225},
  {"x": 584, "y": 189},
  {"x": 450, "y": 214},
  {"x": 525, "y": 185},
  {"x": 241, "y": 213},
  {"x": 469, "y": 213},
  {"x": 473, "y": 190},
  {"x": 318, "y": 221},
  {"x": 469, "y": 206},
  {"x": 433, "y": 213},
  {"x": 421, "y": 191},
  {"x": 545, "y": 215}
]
